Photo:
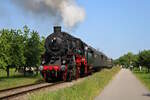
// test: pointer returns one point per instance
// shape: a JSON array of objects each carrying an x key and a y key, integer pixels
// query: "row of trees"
[
  {"x": 141, "y": 59},
  {"x": 20, "y": 48}
]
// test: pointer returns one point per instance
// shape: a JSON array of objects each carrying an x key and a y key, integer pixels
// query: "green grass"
[
  {"x": 86, "y": 90},
  {"x": 12, "y": 72},
  {"x": 144, "y": 77},
  {"x": 16, "y": 79}
]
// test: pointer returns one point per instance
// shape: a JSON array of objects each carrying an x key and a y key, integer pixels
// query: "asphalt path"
[{"x": 124, "y": 86}]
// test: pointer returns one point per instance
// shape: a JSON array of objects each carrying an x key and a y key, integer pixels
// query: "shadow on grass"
[
  {"x": 141, "y": 72},
  {"x": 146, "y": 94},
  {"x": 18, "y": 77},
  {"x": 37, "y": 79}
]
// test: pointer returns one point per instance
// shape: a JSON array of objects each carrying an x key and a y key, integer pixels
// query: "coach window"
[{"x": 102, "y": 57}]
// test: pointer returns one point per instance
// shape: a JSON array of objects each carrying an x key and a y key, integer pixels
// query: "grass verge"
[
  {"x": 86, "y": 90},
  {"x": 16, "y": 79},
  {"x": 144, "y": 77}
]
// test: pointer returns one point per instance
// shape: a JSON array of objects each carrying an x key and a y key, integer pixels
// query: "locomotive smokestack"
[{"x": 57, "y": 29}]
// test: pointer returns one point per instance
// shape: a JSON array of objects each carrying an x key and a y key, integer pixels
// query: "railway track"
[
  {"x": 3, "y": 90},
  {"x": 17, "y": 91}
]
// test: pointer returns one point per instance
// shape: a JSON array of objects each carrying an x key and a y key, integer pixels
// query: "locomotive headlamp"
[
  {"x": 54, "y": 38},
  {"x": 41, "y": 68},
  {"x": 64, "y": 61}
]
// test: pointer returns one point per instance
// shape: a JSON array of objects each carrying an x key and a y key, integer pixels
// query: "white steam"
[{"x": 66, "y": 11}]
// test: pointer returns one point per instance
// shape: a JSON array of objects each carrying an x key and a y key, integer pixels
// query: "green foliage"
[
  {"x": 140, "y": 59},
  {"x": 126, "y": 60},
  {"x": 19, "y": 49},
  {"x": 135, "y": 62},
  {"x": 33, "y": 50},
  {"x": 42, "y": 43},
  {"x": 5, "y": 48},
  {"x": 144, "y": 58}
]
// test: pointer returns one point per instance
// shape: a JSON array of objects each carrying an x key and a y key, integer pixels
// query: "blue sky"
[{"x": 112, "y": 26}]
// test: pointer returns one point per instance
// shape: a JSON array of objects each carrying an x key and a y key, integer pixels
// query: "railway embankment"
[{"x": 84, "y": 90}]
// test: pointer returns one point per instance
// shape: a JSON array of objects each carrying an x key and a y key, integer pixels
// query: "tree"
[
  {"x": 17, "y": 49},
  {"x": 42, "y": 45},
  {"x": 25, "y": 37},
  {"x": 3, "y": 56},
  {"x": 34, "y": 50},
  {"x": 20, "y": 49},
  {"x": 5, "y": 49},
  {"x": 144, "y": 59},
  {"x": 126, "y": 60},
  {"x": 135, "y": 62}
]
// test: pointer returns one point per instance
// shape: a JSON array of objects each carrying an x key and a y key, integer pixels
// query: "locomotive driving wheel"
[
  {"x": 69, "y": 76},
  {"x": 77, "y": 72},
  {"x": 64, "y": 74}
]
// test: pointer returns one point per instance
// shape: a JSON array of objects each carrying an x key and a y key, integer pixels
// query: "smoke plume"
[{"x": 66, "y": 11}]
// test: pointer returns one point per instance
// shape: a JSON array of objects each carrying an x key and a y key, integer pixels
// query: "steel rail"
[{"x": 26, "y": 91}]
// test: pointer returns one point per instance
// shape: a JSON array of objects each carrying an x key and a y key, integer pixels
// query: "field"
[
  {"x": 144, "y": 77},
  {"x": 86, "y": 90},
  {"x": 16, "y": 79}
]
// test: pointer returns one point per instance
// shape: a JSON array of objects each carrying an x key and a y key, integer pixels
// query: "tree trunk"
[
  {"x": 7, "y": 71},
  {"x": 37, "y": 69},
  {"x": 24, "y": 71}
]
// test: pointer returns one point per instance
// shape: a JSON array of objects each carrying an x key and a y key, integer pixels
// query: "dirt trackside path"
[{"x": 124, "y": 86}]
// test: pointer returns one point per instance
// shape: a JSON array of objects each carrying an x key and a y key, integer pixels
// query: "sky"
[{"x": 115, "y": 27}]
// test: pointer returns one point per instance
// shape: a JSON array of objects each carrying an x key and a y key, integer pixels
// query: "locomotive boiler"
[{"x": 67, "y": 57}]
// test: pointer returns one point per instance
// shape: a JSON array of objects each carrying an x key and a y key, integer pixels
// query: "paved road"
[{"x": 124, "y": 86}]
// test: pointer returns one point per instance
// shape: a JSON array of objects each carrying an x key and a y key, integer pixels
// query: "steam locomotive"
[{"x": 67, "y": 57}]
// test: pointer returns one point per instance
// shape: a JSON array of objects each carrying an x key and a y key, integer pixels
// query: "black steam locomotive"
[{"x": 67, "y": 57}]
